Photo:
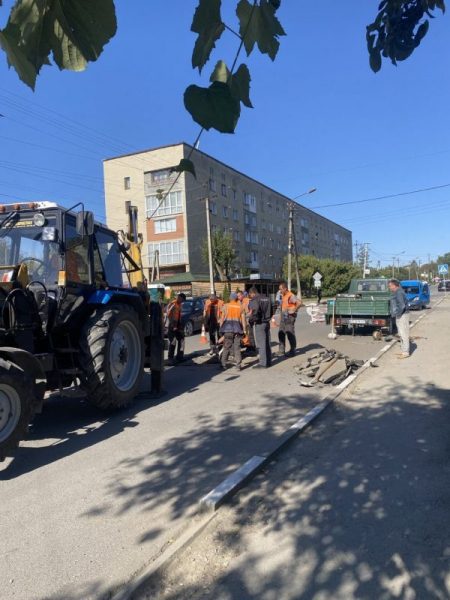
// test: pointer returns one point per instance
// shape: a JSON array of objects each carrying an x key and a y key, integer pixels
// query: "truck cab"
[{"x": 417, "y": 293}]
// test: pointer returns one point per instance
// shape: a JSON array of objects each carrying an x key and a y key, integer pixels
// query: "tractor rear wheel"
[
  {"x": 112, "y": 356},
  {"x": 16, "y": 406}
]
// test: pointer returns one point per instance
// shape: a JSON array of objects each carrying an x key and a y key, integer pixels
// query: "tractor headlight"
[{"x": 39, "y": 220}]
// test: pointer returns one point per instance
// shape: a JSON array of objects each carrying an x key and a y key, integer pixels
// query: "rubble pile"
[{"x": 327, "y": 366}]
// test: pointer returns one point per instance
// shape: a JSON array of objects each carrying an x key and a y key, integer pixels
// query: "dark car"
[
  {"x": 444, "y": 286},
  {"x": 191, "y": 315}
]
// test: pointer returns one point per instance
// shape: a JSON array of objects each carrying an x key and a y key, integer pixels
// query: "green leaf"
[
  {"x": 184, "y": 165},
  {"x": 207, "y": 22},
  {"x": 259, "y": 25},
  {"x": 375, "y": 60},
  {"x": 214, "y": 107},
  {"x": 16, "y": 58},
  {"x": 239, "y": 82},
  {"x": 240, "y": 85},
  {"x": 221, "y": 72},
  {"x": 73, "y": 32}
]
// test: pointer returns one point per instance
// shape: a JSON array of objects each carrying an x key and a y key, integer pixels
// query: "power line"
[{"x": 418, "y": 191}]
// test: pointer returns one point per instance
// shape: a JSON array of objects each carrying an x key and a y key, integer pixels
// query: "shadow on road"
[{"x": 358, "y": 508}]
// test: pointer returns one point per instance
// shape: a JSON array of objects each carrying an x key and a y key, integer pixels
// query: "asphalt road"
[{"x": 90, "y": 498}]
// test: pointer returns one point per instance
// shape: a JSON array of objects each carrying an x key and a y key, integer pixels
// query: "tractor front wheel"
[
  {"x": 112, "y": 356},
  {"x": 16, "y": 406}
]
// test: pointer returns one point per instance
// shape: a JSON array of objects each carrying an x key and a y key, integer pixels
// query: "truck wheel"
[
  {"x": 16, "y": 405},
  {"x": 112, "y": 356}
]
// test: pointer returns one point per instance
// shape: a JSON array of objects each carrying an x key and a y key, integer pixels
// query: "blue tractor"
[{"x": 69, "y": 315}]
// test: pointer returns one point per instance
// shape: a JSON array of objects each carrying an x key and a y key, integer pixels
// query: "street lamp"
[{"x": 290, "y": 243}]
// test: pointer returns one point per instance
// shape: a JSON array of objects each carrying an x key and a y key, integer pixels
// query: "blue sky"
[{"x": 321, "y": 119}]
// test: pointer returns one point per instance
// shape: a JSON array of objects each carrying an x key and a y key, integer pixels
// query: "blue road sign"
[{"x": 443, "y": 269}]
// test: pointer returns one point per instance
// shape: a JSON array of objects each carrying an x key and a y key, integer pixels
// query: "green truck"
[{"x": 366, "y": 304}]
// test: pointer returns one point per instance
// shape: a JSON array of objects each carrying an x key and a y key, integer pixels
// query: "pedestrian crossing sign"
[{"x": 443, "y": 269}]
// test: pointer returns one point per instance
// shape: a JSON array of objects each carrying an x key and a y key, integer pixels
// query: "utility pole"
[
  {"x": 393, "y": 267},
  {"x": 297, "y": 272},
  {"x": 290, "y": 233},
  {"x": 210, "y": 255},
  {"x": 366, "y": 258}
]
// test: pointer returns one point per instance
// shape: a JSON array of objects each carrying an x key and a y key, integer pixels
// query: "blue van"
[{"x": 417, "y": 292}]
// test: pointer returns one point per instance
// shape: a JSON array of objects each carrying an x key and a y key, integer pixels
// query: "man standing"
[
  {"x": 176, "y": 328},
  {"x": 290, "y": 305},
  {"x": 259, "y": 318},
  {"x": 248, "y": 331},
  {"x": 232, "y": 327},
  {"x": 211, "y": 316},
  {"x": 399, "y": 311}
]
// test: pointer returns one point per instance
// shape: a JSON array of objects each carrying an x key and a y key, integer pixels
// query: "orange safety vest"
[
  {"x": 174, "y": 314},
  {"x": 232, "y": 317},
  {"x": 287, "y": 304}
]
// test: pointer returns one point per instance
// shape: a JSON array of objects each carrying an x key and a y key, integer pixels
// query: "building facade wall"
[{"x": 253, "y": 214}]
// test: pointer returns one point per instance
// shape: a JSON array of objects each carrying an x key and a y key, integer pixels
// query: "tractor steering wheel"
[{"x": 35, "y": 273}]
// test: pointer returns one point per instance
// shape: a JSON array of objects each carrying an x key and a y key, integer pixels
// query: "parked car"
[
  {"x": 417, "y": 293},
  {"x": 191, "y": 316},
  {"x": 444, "y": 286}
]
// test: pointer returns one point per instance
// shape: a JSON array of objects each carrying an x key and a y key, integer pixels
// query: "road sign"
[
  {"x": 443, "y": 269},
  {"x": 317, "y": 276},
  {"x": 317, "y": 283}
]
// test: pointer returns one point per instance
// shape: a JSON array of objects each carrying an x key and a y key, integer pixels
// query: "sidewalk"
[{"x": 356, "y": 508}]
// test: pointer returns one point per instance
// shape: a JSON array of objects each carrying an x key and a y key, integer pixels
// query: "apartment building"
[{"x": 254, "y": 215}]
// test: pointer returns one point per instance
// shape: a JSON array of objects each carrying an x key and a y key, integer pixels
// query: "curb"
[{"x": 234, "y": 482}]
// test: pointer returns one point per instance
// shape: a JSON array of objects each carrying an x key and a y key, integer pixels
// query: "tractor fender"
[
  {"x": 31, "y": 366},
  {"x": 133, "y": 299}
]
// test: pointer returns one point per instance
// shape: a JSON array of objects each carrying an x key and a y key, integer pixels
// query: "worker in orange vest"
[
  {"x": 232, "y": 327},
  {"x": 176, "y": 328},
  {"x": 211, "y": 318},
  {"x": 290, "y": 305}
]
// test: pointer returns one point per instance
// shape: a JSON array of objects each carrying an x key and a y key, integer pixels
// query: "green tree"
[
  {"x": 336, "y": 275},
  {"x": 223, "y": 254},
  {"x": 74, "y": 33}
]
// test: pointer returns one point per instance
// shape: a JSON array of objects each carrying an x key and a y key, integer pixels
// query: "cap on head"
[{"x": 233, "y": 296}]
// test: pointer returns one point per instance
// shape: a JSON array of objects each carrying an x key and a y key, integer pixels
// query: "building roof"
[
  {"x": 228, "y": 167},
  {"x": 187, "y": 277}
]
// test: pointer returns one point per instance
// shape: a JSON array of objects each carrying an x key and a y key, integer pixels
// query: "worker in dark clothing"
[
  {"x": 290, "y": 305},
  {"x": 176, "y": 328},
  {"x": 259, "y": 318}
]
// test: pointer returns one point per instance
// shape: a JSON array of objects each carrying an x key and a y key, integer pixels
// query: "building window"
[
  {"x": 254, "y": 237},
  {"x": 223, "y": 176},
  {"x": 126, "y": 183},
  {"x": 212, "y": 185},
  {"x": 263, "y": 241},
  {"x": 250, "y": 202},
  {"x": 223, "y": 189},
  {"x": 170, "y": 253},
  {"x": 236, "y": 236},
  {"x": 213, "y": 208},
  {"x": 234, "y": 193},
  {"x": 270, "y": 226},
  {"x": 235, "y": 214},
  {"x": 160, "y": 176},
  {"x": 248, "y": 237},
  {"x": 278, "y": 230},
  {"x": 304, "y": 222},
  {"x": 165, "y": 225},
  {"x": 246, "y": 218},
  {"x": 263, "y": 225},
  {"x": 171, "y": 205},
  {"x": 254, "y": 257},
  {"x": 253, "y": 221},
  {"x": 279, "y": 245},
  {"x": 225, "y": 212}
]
